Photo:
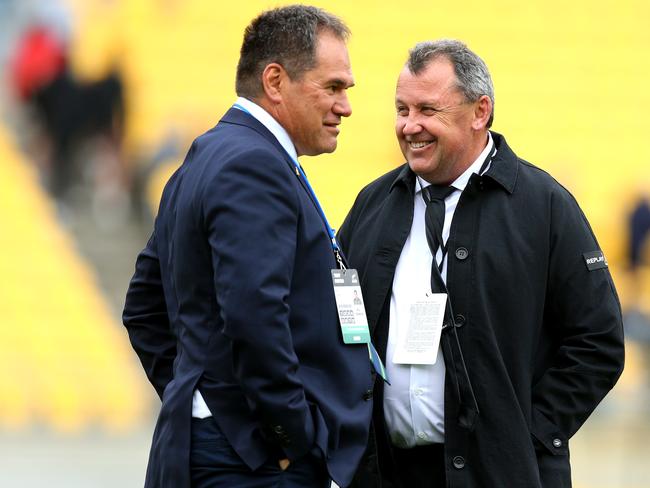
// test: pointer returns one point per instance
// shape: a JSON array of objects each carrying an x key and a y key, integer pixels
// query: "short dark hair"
[
  {"x": 472, "y": 75},
  {"x": 287, "y": 36}
]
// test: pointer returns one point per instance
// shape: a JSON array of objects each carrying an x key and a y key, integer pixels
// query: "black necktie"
[{"x": 434, "y": 216}]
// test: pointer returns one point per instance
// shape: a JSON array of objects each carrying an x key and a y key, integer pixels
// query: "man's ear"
[
  {"x": 273, "y": 79},
  {"x": 482, "y": 112}
]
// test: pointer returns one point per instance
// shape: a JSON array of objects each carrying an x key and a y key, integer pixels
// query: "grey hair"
[
  {"x": 287, "y": 36},
  {"x": 472, "y": 76}
]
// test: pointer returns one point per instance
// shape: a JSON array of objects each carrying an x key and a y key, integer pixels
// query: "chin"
[
  {"x": 328, "y": 148},
  {"x": 318, "y": 150},
  {"x": 421, "y": 167},
  {"x": 321, "y": 146}
]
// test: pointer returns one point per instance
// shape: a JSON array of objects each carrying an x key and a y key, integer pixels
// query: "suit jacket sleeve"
[
  {"x": 583, "y": 310},
  {"x": 252, "y": 218},
  {"x": 146, "y": 320}
]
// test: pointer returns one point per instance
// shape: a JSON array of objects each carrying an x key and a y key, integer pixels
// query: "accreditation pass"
[
  {"x": 418, "y": 341},
  {"x": 350, "y": 306}
]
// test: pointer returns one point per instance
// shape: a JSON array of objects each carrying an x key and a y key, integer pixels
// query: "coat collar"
[
  {"x": 405, "y": 177},
  {"x": 503, "y": 169},
  {"x": 505, "y": 165}
]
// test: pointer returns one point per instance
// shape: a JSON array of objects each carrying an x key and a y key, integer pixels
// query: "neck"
[
  {"x": 477, "y": 146},
  {"x": 274, "y": 110}
]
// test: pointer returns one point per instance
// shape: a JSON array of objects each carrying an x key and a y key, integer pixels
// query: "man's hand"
[{"x": 284, "y": 464}]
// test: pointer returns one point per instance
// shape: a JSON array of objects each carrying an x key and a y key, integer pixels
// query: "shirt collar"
[
  {"x": 274, "y": 127},
  {"x": 461, "y": 182}
]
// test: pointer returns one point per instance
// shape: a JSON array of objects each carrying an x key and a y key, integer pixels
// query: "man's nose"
[
  {"x": 411, "y": 125},
  {"x": 342, "y": 106}
]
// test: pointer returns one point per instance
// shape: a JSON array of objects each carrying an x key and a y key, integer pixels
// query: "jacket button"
[
  {"x": 367, "y": 396},
  {"x": 557, "y": 443},
  {"x": 462, "y": 253},
  {"x": 460, "y": 320},
  {"x": 459, "y": 462}
]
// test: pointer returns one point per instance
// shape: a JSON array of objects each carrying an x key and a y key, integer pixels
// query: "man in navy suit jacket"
[{"x": 231, "y": 309}]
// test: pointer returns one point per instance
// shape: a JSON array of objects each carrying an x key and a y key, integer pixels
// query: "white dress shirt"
[
  {"x": 414, "y": 401},
  {"x": 199, "y": 407}
]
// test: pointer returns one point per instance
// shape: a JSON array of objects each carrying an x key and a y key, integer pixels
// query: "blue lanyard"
[
  {"x": 301, "y": 174},
  {"x": 330, "y": 231}
]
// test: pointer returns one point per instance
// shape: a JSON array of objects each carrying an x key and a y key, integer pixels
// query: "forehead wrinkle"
[
  {"x": 427, "y": 100},
  {"x": 438, "y": 101}
]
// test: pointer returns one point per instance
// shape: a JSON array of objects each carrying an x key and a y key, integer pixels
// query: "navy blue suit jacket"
[{"x": 232, "y": 295}]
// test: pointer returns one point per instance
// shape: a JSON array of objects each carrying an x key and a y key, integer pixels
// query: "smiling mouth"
[{"x": 418, "y": 144}]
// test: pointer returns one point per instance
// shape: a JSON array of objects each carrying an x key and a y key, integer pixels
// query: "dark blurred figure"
[
  {"x": 637, "y": 324},
  {"x": 69, "y": 111},
  {"x": 639, "y": 225}
]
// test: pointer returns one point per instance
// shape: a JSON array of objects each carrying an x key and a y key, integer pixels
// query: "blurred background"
[{"x": 100, "y": 100}]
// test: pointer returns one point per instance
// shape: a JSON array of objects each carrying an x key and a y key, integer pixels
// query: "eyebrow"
[
  {"x": 340, "y": 83},
  {"x": 429, "y": 103}
]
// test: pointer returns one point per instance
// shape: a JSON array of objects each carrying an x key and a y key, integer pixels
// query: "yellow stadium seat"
[{"x": 66, "y": 360}]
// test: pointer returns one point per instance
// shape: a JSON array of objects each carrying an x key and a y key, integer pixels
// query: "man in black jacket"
[{"x": 499, "y": 348}]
